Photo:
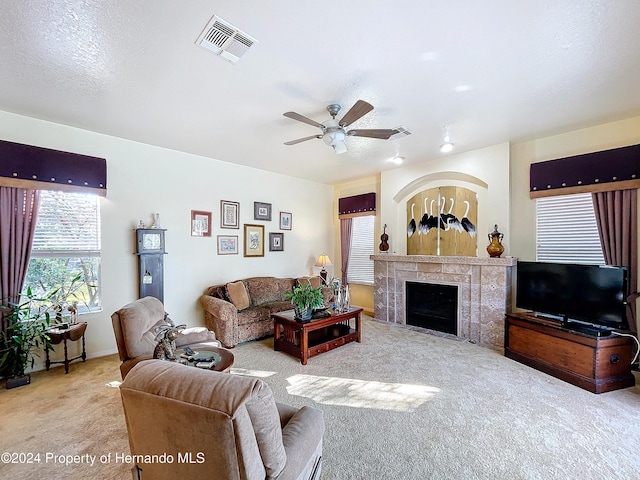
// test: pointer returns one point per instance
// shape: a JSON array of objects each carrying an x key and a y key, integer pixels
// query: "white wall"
[
  {"x": 143, "y": 179},
  {"x": 485, "y": 171}
]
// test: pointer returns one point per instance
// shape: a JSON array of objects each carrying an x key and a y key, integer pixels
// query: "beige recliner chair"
[
  {"x": 215, "y": 426},
  {"x": 134, "y": 328}
]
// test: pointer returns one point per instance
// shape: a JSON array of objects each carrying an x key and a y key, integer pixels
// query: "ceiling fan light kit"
[{"x": 334, "y": 132}]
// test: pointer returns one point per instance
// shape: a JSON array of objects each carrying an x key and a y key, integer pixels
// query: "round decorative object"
[{"x": 495, "y": 248}]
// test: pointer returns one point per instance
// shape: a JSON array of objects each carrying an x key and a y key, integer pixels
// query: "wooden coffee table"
[{"x": 308, "y": 339}]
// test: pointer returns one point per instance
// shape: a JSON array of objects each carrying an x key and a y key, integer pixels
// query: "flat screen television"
[{"x": 585, "y": 293}]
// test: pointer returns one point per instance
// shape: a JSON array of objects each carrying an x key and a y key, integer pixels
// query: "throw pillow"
[
  {"x": 314, "y": 281},
  {"x": 238, "y": 295}
]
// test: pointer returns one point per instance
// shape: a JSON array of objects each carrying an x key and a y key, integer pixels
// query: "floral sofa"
[{"x": 241, "y": 310}]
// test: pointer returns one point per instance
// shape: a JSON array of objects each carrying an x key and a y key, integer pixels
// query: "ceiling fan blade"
[
  {"x": 293, "y": 142},
  {"x": 360, "y": 109},
  {"x": 302, "y": 118},
  {"x": 383, "y": 133}
]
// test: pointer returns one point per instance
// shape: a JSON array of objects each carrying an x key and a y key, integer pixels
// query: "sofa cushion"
[
  {"x": 237, "y": 293},
  {"x": 314, "y": 281},
  {"x": 275, "y": 307},
  {"x": 253, "y": 315},
  {"x": 268, "y": 289},
  {"x": 218, "y": 291},
  {"x": 137, "y": 320},
  {"x": 194, "y": 335}
]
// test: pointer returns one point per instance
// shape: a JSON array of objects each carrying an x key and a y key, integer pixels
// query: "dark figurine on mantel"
[{"x": 384, "y": 240}]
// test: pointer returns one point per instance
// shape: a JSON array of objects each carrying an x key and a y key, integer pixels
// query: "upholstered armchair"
[
  {"x": 216, "y": 426},
  {"x": 134, "y": 327}
]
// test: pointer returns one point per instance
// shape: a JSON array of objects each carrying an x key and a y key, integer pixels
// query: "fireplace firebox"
[{"x": 432, "y": 306}]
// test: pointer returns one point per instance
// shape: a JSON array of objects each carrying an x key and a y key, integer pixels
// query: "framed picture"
[
  {"x": 261, "y": 211},
  {"x": 200, "y": 223},
  {"x": 253, "y": 240},
  {"x": 276, "y": 242},
  {"x": 285, "y": 221},
  {"x": 229, "y": 214},
  {"x": 227, "y": 244}
]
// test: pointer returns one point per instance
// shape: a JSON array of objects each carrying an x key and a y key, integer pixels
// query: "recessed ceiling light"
[
  {"x": 397, "y": 160},
  {"x": 446, "y": 147},
  {"x": 462, "y": 88},
  {"x": 429, "y": 56}
]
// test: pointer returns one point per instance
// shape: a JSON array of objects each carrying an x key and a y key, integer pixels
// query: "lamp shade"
[{"x": 323, "y": 260}]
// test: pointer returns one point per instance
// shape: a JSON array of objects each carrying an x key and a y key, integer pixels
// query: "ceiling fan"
[{"x": 334, "y": 132}]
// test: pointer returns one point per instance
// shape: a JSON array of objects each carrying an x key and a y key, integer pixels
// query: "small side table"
[
  {"x": 226, "y": 358},
  {"x": 73, "y": 333}
]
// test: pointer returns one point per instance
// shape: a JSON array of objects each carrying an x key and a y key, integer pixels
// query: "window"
[
  {"x": 566, "y": 230},
  {"x": 360, "y": 265},
  {"x": 66, "y": 246}
]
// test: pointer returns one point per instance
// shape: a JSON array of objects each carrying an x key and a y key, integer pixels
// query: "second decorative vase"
[
  {"x": 495, "y": 248},
  {"x": 346, "y": 300},
  {"x": 302, "y": 314}
]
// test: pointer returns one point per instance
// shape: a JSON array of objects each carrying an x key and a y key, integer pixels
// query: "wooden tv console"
[{"x": 597, "y": 364}]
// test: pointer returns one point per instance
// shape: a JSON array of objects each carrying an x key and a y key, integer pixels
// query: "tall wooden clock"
[{"x": 150, "y": 251}]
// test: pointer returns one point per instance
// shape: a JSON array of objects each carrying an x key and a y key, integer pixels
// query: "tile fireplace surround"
[{"x": 484, "y": 290}]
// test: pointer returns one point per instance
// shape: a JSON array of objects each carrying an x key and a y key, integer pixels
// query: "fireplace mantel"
[{"x": 484, "y": 290}]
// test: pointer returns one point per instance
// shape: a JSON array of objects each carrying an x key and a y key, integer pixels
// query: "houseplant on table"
[{"x": 304, "y": 299}]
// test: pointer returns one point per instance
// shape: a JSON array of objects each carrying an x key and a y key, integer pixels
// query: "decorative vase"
[
  {"x": 337, "y": 305},
  {"x": 346, "y": 299},
  {"x": 495, "y": 247},
  {"x": 302, "y": 314}
]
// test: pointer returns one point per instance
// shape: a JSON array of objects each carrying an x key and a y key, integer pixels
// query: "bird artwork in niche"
[
  {"x": 432, "y": 221},
  {"x": 423, "y": 226},
  {"x": 450, "y": 220},
  {"x": 466, "y": 223},
  {"x": 411, "y": 228}
]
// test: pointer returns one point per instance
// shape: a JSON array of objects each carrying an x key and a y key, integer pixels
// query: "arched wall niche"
[
  {"x": 438, "y": 189},
  {"x": 429, "y": 180}
]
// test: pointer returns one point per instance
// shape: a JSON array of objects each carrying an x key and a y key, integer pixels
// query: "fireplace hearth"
[
  {"x": 483, "y": 291},
  {"x": 432, "y": 306}
]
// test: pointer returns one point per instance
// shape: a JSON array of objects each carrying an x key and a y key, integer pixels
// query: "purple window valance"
[
  {"x": 616, "y": 169},
  {"x": 27, "y": 166},
  {"x": 364, "y": 204}
]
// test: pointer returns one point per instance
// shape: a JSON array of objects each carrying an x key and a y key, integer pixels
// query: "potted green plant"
[
  {"x": 26, "y": 332},
  {"x": 304, "y": 299}
]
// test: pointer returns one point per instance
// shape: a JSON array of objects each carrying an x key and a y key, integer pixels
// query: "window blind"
[
  {"x": 68, "y": 225},
  {"x": 360, "y": 268},
  {"x": 566, "y": 230}
]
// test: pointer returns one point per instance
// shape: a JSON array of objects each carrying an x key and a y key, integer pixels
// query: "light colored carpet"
[{"x": 400, "y": 405}]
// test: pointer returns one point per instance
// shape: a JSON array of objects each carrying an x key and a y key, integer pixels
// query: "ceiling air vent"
[
  {"x": 225, "y": 40},
  {"x": 402, "y": 132}
]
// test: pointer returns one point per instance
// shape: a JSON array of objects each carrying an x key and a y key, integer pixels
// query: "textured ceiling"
[{"x": 481, "y": 72}]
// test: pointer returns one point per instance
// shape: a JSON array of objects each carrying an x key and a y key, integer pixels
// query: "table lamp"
[{"x": 323, "y": 261}]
